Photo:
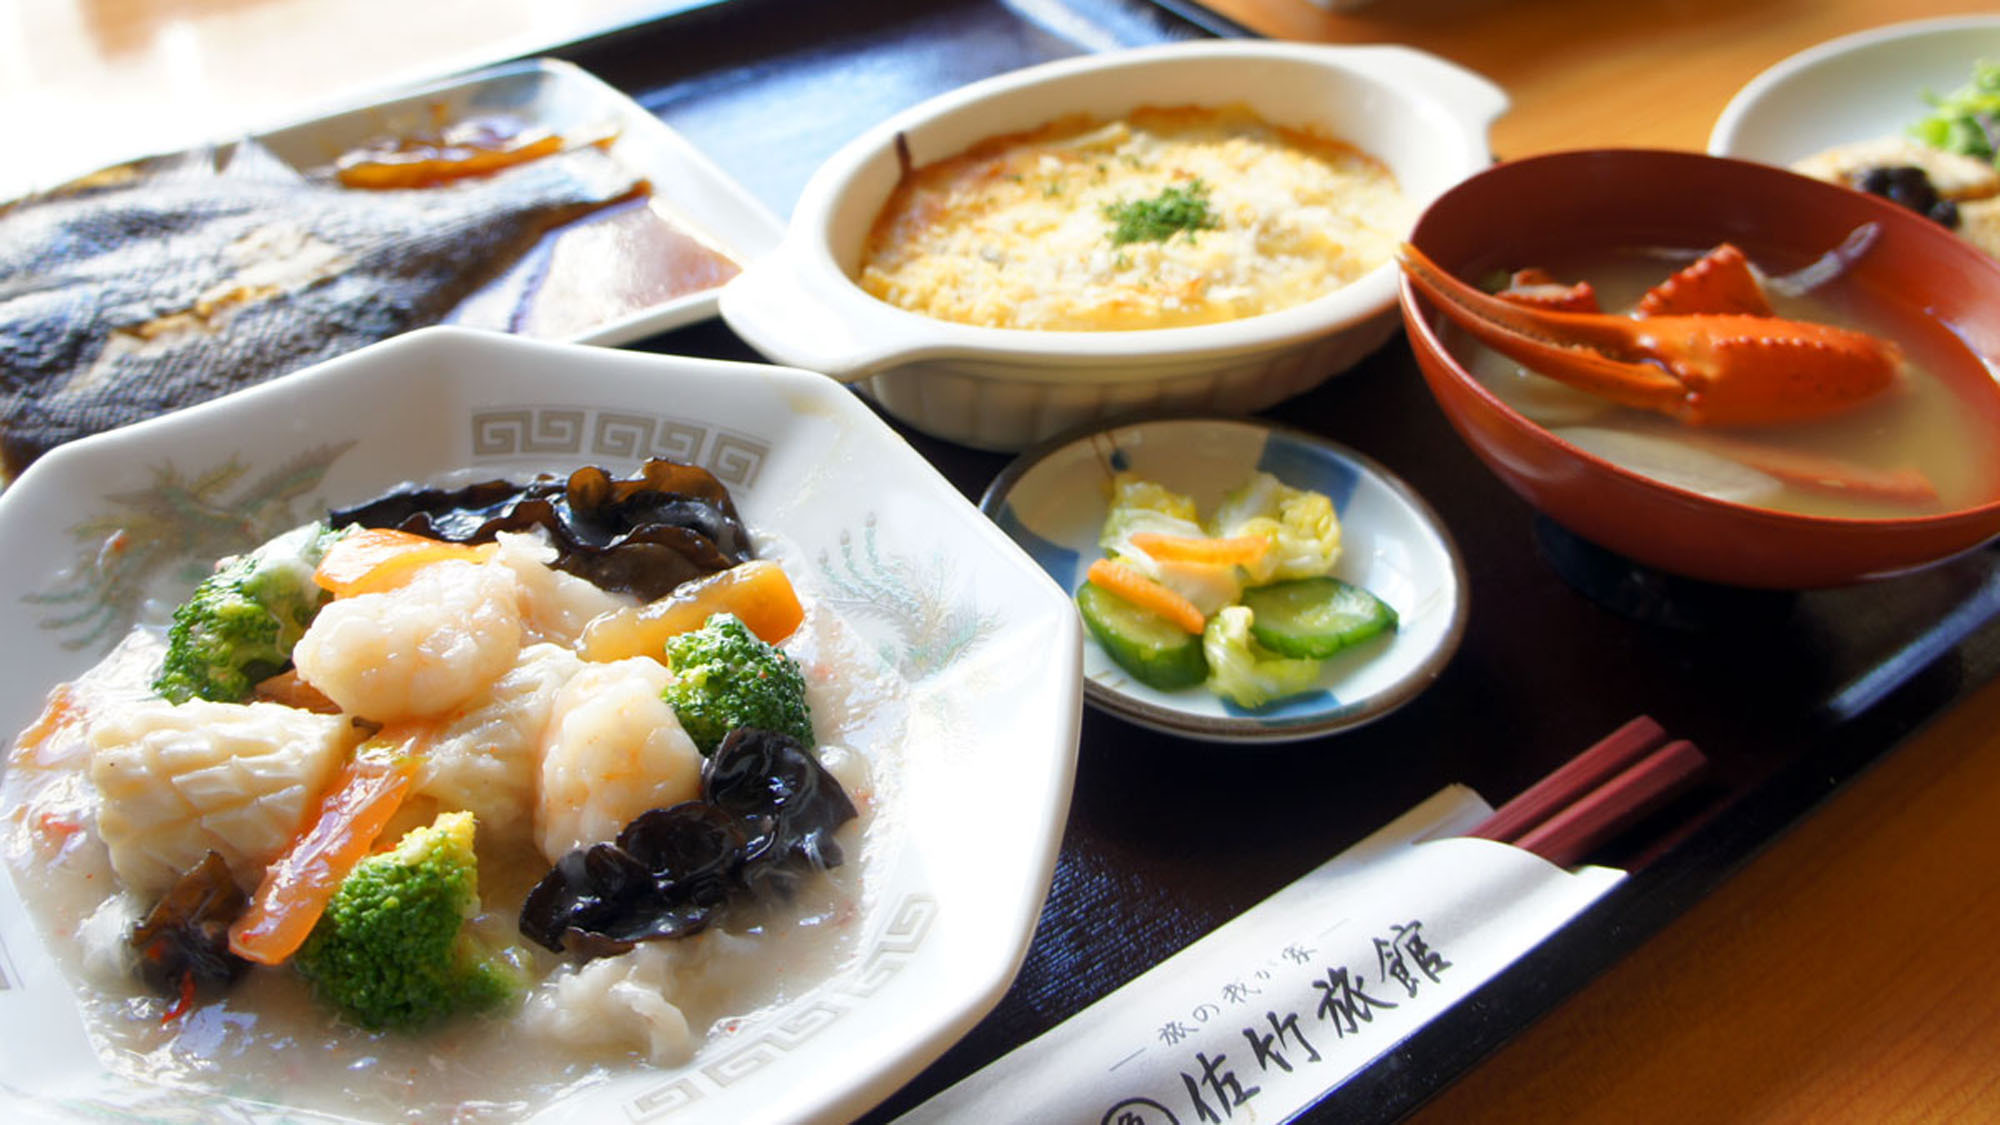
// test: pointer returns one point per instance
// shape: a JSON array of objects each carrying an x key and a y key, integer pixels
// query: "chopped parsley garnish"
[
  {"x": 1967, "y": 120},
  {"x": 1176, "y": 209}
]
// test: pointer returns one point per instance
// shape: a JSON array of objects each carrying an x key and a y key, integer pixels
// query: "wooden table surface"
[{"x": 1839, "y": 977}]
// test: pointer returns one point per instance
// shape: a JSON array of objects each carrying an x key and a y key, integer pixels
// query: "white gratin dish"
[{"x": 999, "y": 388}]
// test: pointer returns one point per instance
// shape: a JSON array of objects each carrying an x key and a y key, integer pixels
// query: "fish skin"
[{"x": 84, "y": 267}]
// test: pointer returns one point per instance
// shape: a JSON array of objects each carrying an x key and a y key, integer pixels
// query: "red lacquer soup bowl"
[{"x": 1928, "y": 289}]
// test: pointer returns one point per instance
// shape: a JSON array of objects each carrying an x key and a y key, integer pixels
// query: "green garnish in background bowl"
[{"x": 1967, "y": 120}]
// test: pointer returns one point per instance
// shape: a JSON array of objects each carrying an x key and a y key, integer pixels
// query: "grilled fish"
[{"x": 164, "y": 283}]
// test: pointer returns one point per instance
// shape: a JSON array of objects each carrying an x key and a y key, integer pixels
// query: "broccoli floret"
[
  {"x": 240, "y": 624},
  {"x": 725, "y": 676},
  {"x": 1242, "y": 670},
  {"x": 1301, "y": 526},
  {"x": 392, "y": 951}
]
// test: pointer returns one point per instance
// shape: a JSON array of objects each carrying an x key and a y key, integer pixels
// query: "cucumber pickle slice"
[
  {"x": 1155, "y": 651},
  {"x": 1315, "y": 617}
]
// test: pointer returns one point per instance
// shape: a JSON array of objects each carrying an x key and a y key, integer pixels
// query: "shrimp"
[
  {"x": 420, "y": 650},
  {"x": 613, "y": 749},
  {"x": 555, "y": 605}
]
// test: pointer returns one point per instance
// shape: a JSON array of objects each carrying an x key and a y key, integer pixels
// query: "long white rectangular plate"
[{"x": 563, "y": 98}]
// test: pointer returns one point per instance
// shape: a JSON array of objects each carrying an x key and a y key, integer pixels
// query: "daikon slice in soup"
[{"x": 1918, "y": 448}]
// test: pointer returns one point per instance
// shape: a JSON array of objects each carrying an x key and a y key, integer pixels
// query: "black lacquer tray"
[{"x": 1791, "y": 695}]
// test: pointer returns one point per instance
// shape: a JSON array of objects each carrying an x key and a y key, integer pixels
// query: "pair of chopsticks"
[{"x": 1627, "y": 774}]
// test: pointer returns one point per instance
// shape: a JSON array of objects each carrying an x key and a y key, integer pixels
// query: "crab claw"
[
  {"x": 1538, "y": 289},
  {"x": 1720, "y": 281},
  {"x": 1722, "y": 369}
]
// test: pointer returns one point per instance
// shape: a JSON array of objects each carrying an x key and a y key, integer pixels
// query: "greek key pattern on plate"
[
  {"x": 781, "y": 1036},
  {"x": 520, "y": 432},
  {"x": 893, "y": 949},
  {"x": 899, "y": 943},
  {"x": 662, "y": 1100}
]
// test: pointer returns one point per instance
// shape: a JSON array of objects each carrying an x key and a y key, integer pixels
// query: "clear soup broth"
[{"x": 1937, "y": 421}]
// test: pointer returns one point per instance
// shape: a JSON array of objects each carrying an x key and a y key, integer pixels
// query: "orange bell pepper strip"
[
  {"x": 298, "y": 886},
  {"x": 757, "y": 592},
  {"x": 368, "y": 560}
]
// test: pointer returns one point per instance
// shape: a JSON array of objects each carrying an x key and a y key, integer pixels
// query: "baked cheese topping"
[{"x": 1024, "y": 231}]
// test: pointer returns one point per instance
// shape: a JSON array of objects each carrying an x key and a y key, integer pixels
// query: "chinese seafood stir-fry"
[{"x": 552, "y": 770}]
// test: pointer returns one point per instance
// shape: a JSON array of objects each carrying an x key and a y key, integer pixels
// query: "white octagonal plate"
[{"x": 970, "y": 802}]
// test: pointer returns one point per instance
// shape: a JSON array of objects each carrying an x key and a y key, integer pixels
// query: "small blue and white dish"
[{"x": 1052, "y": 501}]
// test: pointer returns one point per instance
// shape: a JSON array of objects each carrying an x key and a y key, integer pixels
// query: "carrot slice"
[
  {"x": 441, "y": 163},
  {"x": 1242, "y": 550},
  {"x": 297, "y": 887},
  {"x": 1142, "y": 591},
  {"x": 368, "y": 560},
  {"x": 757, "y": 592},
  {"x": 1820, "y": 473}
]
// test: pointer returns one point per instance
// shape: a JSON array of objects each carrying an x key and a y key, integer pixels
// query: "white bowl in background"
[
  {"x": 999, "y": 388},
  {"x": 1854, "y": 88},
  {"x": 963, "y": 844}
]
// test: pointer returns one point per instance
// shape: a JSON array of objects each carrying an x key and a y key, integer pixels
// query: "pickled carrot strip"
[
  {"x": 1243, "y": 550},
  {"x": 1142, "y": 591},
  {"x": 298, "y": 886},
  {"x": 368, "y": 560},
  {"x": 757, "y": 592}
]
